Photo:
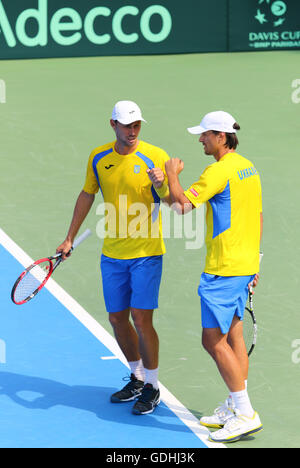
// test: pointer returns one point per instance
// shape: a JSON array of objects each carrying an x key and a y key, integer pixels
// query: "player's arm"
[
  {"x": 180, "y": 203},
  {"x": 160, "y": 183},
  {"x": 81, "y": 210}
]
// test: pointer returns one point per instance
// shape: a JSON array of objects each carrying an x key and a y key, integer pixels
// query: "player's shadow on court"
[{"x": 37, "y": 393}]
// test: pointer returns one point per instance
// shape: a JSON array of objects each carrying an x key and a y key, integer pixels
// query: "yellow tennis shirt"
[
  {"x": 133, "y": 216},
  {"x": 231, "y": 188}
]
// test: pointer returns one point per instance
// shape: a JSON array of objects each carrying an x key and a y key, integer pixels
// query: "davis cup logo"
[
  {"x": 271, "y": 12},
  {"x": 274, "y": 25}
]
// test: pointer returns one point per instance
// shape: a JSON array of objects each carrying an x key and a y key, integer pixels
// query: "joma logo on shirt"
[{"x": 250, "y": 171}]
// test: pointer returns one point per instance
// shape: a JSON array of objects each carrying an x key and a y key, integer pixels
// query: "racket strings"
[
  {"x": 248, "y": 330},
  {"x": 31, "y": 281}
]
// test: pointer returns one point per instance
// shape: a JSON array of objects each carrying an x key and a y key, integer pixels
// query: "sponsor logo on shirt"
[{"x": 193, "y": 191}]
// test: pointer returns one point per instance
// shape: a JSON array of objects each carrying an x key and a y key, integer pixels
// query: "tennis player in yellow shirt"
[
  {"x": 131, "y": 261},
  {"x": 231, "y": 189}
]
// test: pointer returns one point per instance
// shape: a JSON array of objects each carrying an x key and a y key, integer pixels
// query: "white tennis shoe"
[
  {"x": 220, "y": 416},
  {"x": 236, "y": 427}
]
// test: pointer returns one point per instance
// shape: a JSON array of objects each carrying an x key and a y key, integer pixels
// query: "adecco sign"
[
  {"x": 74, "y": 28},
  {"x": 67, "y": 27}
]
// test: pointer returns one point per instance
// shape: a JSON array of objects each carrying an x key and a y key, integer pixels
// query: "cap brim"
[
  {"x": 128, "y": 122},
  {"x": 196, "y": 130}
]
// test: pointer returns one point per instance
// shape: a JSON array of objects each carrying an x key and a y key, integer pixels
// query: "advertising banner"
[
  {"x": 65, "y": 28},
  {"x": 264, "y": 25},
  {"x": 74, "y": 28}
]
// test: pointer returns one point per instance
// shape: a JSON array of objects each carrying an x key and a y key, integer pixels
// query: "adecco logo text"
[{"x": 70, "y": 21}]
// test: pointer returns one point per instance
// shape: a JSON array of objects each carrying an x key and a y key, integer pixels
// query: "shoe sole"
[
  {"x": 117, "y": 400},
  {"x": 139, "y": 413},
  {"x": 213, "y": 426},
  {"x": 235, "y": 439}
]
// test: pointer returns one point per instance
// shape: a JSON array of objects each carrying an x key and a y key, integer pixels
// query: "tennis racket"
[
  {"x": 249, "y": 322},
  {"x": 35, "y": 277},
  {"x": 250, "y": 325}
]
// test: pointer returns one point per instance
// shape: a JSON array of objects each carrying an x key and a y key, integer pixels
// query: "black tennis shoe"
[
  {"x": 130, "y": 392},
  {"x": 147, "y": 401}
]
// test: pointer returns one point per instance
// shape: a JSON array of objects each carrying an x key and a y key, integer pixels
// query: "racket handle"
[{"x": 81, "y": 238}]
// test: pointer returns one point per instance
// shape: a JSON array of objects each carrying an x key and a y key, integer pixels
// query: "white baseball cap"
[
  {"x": 127, "y": 112},
  {"x": 219, "y": 121}
]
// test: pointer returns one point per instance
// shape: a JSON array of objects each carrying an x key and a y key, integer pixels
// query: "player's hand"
[
  {"x": 254, "y": 283},
  {"x": 156, "y": 176},
  {"x": 65, "y": 249},
  {"x": 174, "y": 166}
]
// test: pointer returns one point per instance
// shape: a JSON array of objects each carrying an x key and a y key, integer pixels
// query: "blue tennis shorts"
[
  {"x": 222, "y": 297},
  {"x": 131, "y": 283}
]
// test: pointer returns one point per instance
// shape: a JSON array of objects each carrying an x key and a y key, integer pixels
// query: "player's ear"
[
  {"x": 222, "y": 137},
  {"x": 113, "y": 123}
]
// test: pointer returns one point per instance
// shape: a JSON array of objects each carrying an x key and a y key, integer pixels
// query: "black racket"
[
  {"x": 34, "y": 278},
  {"x": 249, "y": 322},
  {"x": 250, "y": 325}
]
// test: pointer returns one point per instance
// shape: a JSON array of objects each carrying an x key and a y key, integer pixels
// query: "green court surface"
[{"x": 58, "y": 110}]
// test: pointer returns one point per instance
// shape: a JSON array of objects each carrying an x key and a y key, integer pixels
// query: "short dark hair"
[{"x": 231, "y": 138}]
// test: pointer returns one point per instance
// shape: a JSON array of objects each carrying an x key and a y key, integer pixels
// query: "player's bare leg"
[
  {"x": 128, "y": 341},
  {"x": 125, "y": 334},
  {"x": 148, "y": 339},
  {"x": 237, "y": 343},
  {"x": 217, "y": 346}
]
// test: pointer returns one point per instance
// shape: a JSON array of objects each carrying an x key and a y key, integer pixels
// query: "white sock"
[
  {"x": 246, "y": 385},
  {"x": 242, "y": 402},
  {"x": 151, "y": 376},
  {"x": 137, "y": 369}
]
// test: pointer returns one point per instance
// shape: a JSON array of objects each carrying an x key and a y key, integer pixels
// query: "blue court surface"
[{"x": 58, "y": 368}]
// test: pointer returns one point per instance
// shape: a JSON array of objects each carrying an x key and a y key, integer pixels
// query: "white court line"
[
  {"x": 108, "y": 358},
  {"x": 104, "y": 337}
]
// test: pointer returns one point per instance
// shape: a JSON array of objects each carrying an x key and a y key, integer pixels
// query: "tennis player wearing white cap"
[
  {"x": 131, "y": 262},
  {"x": 231, "y": 189}
]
